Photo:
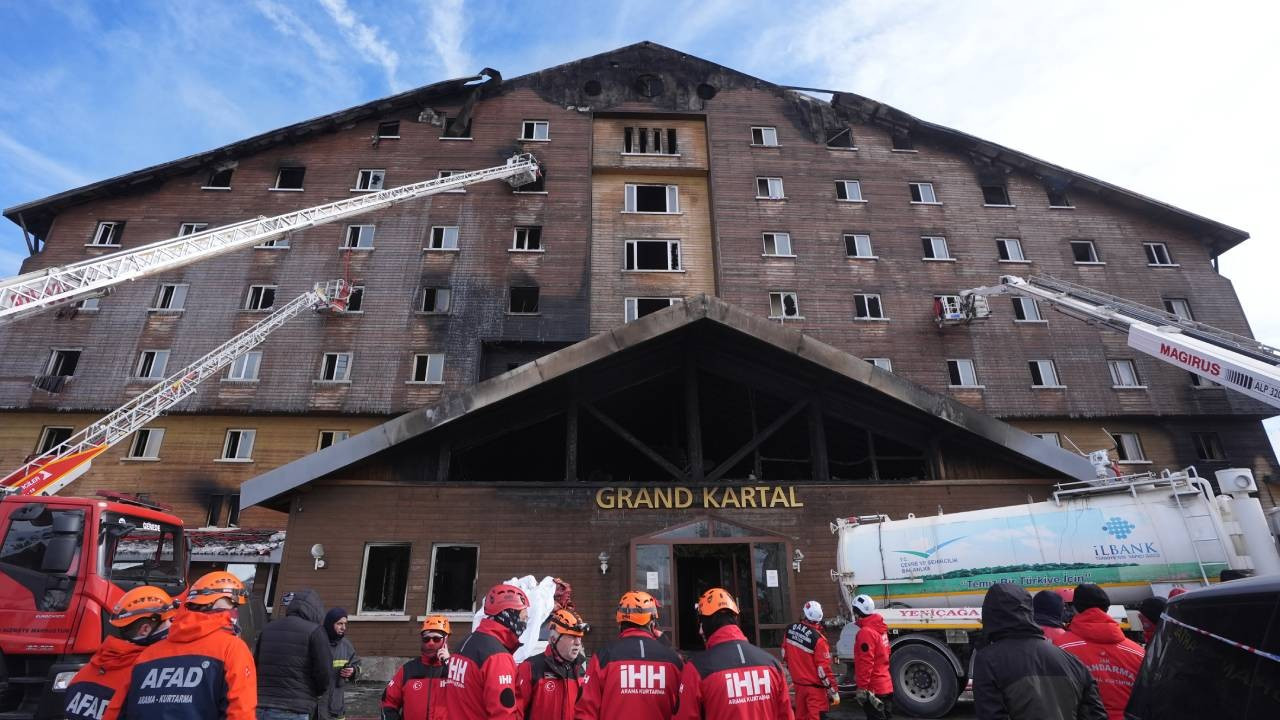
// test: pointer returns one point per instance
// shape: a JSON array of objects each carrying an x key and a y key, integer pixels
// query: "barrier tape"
[{"x": 1247, "y": 648}]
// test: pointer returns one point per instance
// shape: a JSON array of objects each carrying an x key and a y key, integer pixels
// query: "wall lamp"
[
  {"x": 796, "y": 558},
  {"x": 604, "y": 562},
  {"x": 317, "y": 552}
]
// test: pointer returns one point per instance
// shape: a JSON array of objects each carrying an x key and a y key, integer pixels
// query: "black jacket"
[
  {"x": 1020, "y": 675},
  {"x": 293, "y": 657}
]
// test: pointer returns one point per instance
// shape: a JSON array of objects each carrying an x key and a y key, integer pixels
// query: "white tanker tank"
[{"x": 1125, "y": 536}]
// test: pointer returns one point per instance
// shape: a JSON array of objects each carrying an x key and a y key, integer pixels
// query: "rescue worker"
[
  {"x": 202, "y": 670},
  {"x": 636, "y": 676},
  {"x": 140, "y": 618},
  {"x": 480, "y": 684},
  {"x": 346, "y": 666},
  {"x": 548, "y": 685},
  {"x": 1049, "y": 609},
  {"x": 416, "y": 692},
  {"x": 807, "y": 656},
  {"x": 871, "y": 660},
  {"x": 732, "y": 679},
  {"x": 1150, "y": 614},
  {"x": 1097, "y": 641}
]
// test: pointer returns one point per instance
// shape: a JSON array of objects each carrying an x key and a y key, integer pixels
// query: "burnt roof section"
[
  {"x": 274, "y": 487},
  {"x": 672, "y": 81}
]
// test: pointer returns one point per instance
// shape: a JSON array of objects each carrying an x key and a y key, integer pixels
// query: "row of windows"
[{"x": 962, "y": 373}]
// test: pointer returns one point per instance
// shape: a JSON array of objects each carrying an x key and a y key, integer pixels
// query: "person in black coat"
[
  {"x": 1020, "y": 675},
  {"x": 293, "y": 659}
]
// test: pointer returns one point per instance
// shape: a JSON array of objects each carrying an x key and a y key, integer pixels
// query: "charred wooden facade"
[{"x": 656, "y": 188}]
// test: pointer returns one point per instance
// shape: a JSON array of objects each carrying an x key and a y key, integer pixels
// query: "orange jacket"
[
  {"x": 202, "y": 671},
  {"x": 105, "y": 676},
  {"x": 808, "y": 656}
]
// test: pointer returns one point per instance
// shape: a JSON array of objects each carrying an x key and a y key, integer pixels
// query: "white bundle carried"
[{"x": 541, "y": 602}]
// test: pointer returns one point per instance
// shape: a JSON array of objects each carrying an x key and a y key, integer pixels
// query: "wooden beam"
[
  {"x": 692, "y": 417},
  {"x": 635, "y": 442},
  {"x": 820, "y": 469},
  {"x": 752, "y": 444},
  {"x": 571, "y": 442}
]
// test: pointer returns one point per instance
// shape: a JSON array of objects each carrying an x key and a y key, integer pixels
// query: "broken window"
[
  {"x": 649, "y": 141},
  {"x": 651, "y": 198},
  {"x": 336, "y": 367},
  {"x": 962, "y": 373},
  {"x": 370, "y": 179},
  {"x": 454, "y": 128},
  {"x": 764, "y": 136},
  {"x": 170, "y": 297},
  {"x": 355, "y": 301},
  {"x": 1044, "y": 373},
  {"x": 1123, "y": 373},
  {"x": 1128, "y": 447},
  {"x": 769, "y": 187},
  {"x": 389, "y": 130},
  {"x": 443, "y": 237},
  {"x": 652, "y": 255},
  {"x": 1157, "y": 254},
  {"x": 107, "y": 233},
  {"x": 1179, "y": 308},
  {"x": 151, "y": 364},
  {"x": 867, "y": 306},
  {"x": 260, "y": 297},
  {"x": 238, "y": 445},
  {"x": 902, "y": 142},
  {"x": 1083, "y": 251},
  {"x": 52, "y": 437},
  {"x": 191, "y": 228},
  {"x": 1058, "y": 197},
  {"x": 358, "y": 237},
  {"x": 935, "y": 248},
  {"x": 778, "y": 244},
  {"x": 63, "y": 363},
  {"x": 384, "y": 579},
  {"x": 428, "y": 368},
  {"x": 858, "y": 246},
  {"x": 246, "y": 366},
  {"x": 524, "y": 300},
  {"x": 146, "y": 444},
  {"x": 290, "y": 178},
  {"x": 535, "y": 130},
  {"x": 528, "y": 239},
  {"x": 331, "y": 437},
  {"x": 850, "y": 190},
  {"x": 995, "y": 195},
  {"x": 453, "y": 578},
  {"x": 637, "y": 307},
  {"x": 1026, "y": 310},
  {"x": 841, "y": 139},
  {"x": 1208, "y": 446},
  {"x": 922, "y": 192},
  {"x": 434, "y": 300},
  {"x": 783, "y": 305},
  {"x": 1009, "y": 250},
  {"x": 219, "y": 179}
]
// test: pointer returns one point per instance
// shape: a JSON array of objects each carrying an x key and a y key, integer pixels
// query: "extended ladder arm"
[
  {"x": 28, "y": 294},
  {"x": 54, "y": 469},
  {"x": 1235, "y": 361}
]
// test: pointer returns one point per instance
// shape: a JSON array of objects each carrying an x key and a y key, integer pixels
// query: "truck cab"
[{"x": 64, "y": 562}]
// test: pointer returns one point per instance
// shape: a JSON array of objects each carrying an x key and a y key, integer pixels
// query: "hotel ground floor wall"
[{"x": 561, "y": 531}]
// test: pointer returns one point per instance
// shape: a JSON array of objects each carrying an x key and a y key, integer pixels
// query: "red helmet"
[{"x": 505, "y": 597}]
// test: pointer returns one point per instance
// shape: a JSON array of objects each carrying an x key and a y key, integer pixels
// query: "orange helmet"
[
  {"x": 638, "y": 608},
  {"x": 505, "y": 597},
  {"x": 568, "y": 622},
  {"x": 140, "y": 602},
  {"x": 439, "y": 623},
  {"x": 715, "y": 600},
  {"x": 215, "y": 585}
]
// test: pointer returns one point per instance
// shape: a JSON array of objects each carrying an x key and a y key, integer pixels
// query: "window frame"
[
  {"x": 667, "y": 140},
  {"x": 844, "y": 185},
  {"x": 242, "y": 433},
  {"x": 257, "y": 366},
  {"x": 917, "y": 189},
  {"x": 1003, "y": 245},
  {"x": 448, "y": 173},
  {"x": 1039, "y": 367},
  {"x": 191, "y": 228},
  {"x": 213, "y": 175},
  {"x": 1020, "y": 304},
  {"x": 138, "y": 447},
  {"x": 280, "y": 176},
  {"x": 961, "y": 364},
  {"x": 55, "y": 353},
  {"x": 525, "y": 125},
  {"x": 1204, "y": 451},
  {"x": 870, "y": 248},
  {"x": 1171, "y": 305},
  {"x": 176, "y": 290},
  {"x": 772, "y": 237},
  {"x": 159, "y": 356},
  {"x": 1056, "y": 441},
  {"x": 338, "y": 364},
  {"x": 279, "y": 242},
  {"x": 782, "y": 296},
  {"x": 1153, "y": 257},
  {"x": 883, "y": 363},
  {"x": 630, "y": 199},
  {"x": 422, "y": 300},
  {"x": 929, "y": 246},
  {"x": 516, "y": 241},
  {"x": 1123, "y": 450},
  {"x": 444, "y": 238},
  {"x": 537, "y": 310},
  {"x": 631, "y": 255},
  {"x": 43, "y": 440},
  {"x": 1093, "y": 253},
  {"x": 867, "y": 299},
  {"x": 1049, "y": 195},
  {"x": 114, "y": 228},
  {"x": 426, "y": 370},
  {"x": 431, "y": 583},
  {"x": 377, "y": 133},
  {"x": 763, "y": 136},
  {"x": 631, "y": 306},
  {"x": 365, "y": 180},
  {"x": 362, "y": 230},
  {"x": 364, "y": 570},
  {"x": 769, "y": 185},
  {"x": 1117, "y": 376},
  {"x": 355, "y": 302},
  {"x": 333, "y": 438},
  {"x": 261, "y": 308},
  {"x": 1004, "y": 190}
]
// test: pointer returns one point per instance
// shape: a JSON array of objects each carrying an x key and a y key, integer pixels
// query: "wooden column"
[
  {"x": 692, "y": 417},
  {"x": 820, "y": 469}
]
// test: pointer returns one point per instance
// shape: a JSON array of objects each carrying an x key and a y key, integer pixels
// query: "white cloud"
[
  {"x": 41, "y": 170},
  {"x": 447, "y": 28},
  {"x": 287, "y": 22},
  {"x": 365, "y": 39}
]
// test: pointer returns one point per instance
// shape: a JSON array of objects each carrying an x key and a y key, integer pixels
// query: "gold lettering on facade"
[
  {"x": 684, "y": 498},
  {"x": 680, "y": 498},
  {"x": 643, "y": 499}
]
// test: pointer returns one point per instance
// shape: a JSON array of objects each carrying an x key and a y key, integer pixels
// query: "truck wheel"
[{"x": 924, "y": 682}]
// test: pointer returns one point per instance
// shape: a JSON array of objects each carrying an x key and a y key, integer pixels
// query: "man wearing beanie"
[
  {"x": 1098, "y": 642},
  {"x": 346, "y": 665},
  {"x": 1048, "y": 608},
  {"x": 1149, "y": 611}
]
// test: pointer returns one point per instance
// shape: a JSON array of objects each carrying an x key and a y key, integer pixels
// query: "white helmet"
[
  {"x": 813, "y": 611},
  {"x": 864, "y": 604}
]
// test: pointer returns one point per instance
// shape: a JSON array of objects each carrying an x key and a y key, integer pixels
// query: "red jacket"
[
  {"x": 202, "y": 671},
  {"x": 416, "y": 692},
  {"x": 547, "y": 688},
  {"x": 808, "y": 655},
  {"x": 635, "y": 677},
  {"x": 480, "y": 683},
  {"x": 1113, "y": 660},
  {"x": 733, "y": 680},
  {"x": 1053, "y": 633},
  {"x": 105, "y": 676},
  {"x": 871, "y": 656}
]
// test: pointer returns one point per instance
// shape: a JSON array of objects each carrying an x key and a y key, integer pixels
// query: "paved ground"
[{"x": 363, "y": 699}]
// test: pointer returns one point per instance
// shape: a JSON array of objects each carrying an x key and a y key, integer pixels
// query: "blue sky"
[{"x": 1172, "y": 99}]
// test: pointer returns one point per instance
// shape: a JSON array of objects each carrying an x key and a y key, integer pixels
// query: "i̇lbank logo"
[{"x": 747, "y": 686}]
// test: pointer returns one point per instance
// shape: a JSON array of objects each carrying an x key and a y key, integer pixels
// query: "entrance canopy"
[{"x": 700, "y": 393}]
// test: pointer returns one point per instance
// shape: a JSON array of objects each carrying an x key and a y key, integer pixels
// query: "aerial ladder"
[
  {"x": 1233, "y": 361},
  {"x": 30, "y": 293}
]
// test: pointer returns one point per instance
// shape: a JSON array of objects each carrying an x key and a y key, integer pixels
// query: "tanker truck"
[{"x": 1136, "y": 536}]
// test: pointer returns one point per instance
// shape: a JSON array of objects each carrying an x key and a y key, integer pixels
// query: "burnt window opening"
[
  {"x": 638, "y": 307},
  {"x": 592, "y": 88},
  {"x": 1057, "y": 197},
  {"x": 649, "y": 141},
  {"x": 995, "y": 194},
  {"x": 524, "y": 300},
  {"x": 213, "y": 515},
  {"x": 841, "y": 139},
  {"x": 528, "y": 239},
  {"x": 649, "y": 85},
  {"x": 1083, "y": 251},
  {"x": 63, "y": 363},
  {"x": 52, "y": 437},
  {"x": 657, "y": 255},
  {"x": 385, "y": 578},
  {"x": 355, "y": 302},
  {"x": 651, "y": 198},
  {"x": 454, "y": 127},
  {"x": 902, "y": 141},
  {"x": 389, "y": 130},
  {"x": 220, "y": 178},
  {"x": 290, "y": 178},
  {"x": 434, "y": 300},
  {"x": 453, "y": 578}
]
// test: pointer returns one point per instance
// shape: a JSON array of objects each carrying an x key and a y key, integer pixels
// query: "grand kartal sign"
[{"x": 679, "y": 498}]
